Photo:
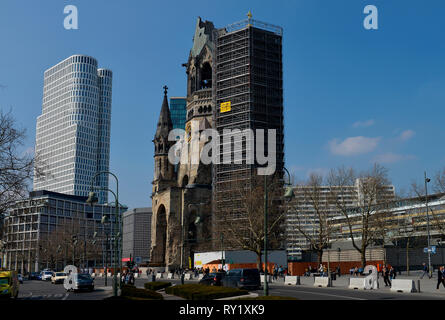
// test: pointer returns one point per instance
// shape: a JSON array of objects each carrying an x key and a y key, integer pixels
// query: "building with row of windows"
[
  {"x": 51, "y": 230},
  {"x": 178, "y": 112},
  {"x": 73, "y": 131},
  {"x": 137, "y": 235},
  {"x": 304, "y": 212}
]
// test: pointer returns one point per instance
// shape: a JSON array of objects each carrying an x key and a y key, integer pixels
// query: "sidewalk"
[{"x": 427, "y": 286}]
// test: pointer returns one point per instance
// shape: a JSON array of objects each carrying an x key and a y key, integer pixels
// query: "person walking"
[
  {"x": 441, "y": 277},
  {"x": 385, "y": 273},
  {"x": 391, "y": 273},
  {"x": 425, "y": 270}
]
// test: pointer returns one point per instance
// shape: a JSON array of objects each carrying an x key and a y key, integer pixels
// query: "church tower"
[{"x": 164, "y": 174}]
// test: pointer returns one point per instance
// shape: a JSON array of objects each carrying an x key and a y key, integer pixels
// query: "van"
[
  {"x": 242, "y": 278},
  {"x": 9, "y": 284}
]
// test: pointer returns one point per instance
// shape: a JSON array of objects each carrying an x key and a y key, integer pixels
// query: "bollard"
[
  {"x": 182, "y": 278},
  {"x": 418, "y": 286},
  {"x": 298, "y": 280},
  {"x": 153, "y": 277}
]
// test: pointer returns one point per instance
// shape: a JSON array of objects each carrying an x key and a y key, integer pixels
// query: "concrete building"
[
  {"x": 51, "y": 229},
  {"x": 137, "y": 234},
  {"x": 302, "y": 213},
  {"x": 247, "y": 94},
  {"x": 73, "y": 131}
]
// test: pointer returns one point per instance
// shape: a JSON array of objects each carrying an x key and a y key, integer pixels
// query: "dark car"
[
  {"x": 83, "y": 281},
  {"x": 242, "y": 278},
  {"x": 34, "y": 276},
  {"x": 213, "y": 279}
]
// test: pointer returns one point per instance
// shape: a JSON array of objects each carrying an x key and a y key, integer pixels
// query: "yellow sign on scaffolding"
[{"x": 226, "y": 107}]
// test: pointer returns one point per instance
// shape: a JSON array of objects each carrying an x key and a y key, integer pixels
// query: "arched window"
[{"x": 206, "y": 76}]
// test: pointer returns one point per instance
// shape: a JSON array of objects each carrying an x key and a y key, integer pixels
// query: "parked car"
[
  {"x": 83, "y": 281},
  {"x": 20, "y": 278},
  {"x": 213, "y": 279},
  {"x": 9, "y": 284},
  {"x": 58, "y": 277},
  {"x": 34, "y": 276},
  {"x": 242, "y": 278},
  {"x": 46, "y": 275}
]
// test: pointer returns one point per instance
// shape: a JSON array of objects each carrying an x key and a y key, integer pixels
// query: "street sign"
[
  {"x": 433, "y": 250},
  {"x": 138, "y": 259}
]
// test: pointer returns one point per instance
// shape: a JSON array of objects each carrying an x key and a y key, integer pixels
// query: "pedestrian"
[
  {"x": 441, "y": 277},
  {"x": 338, "y": 271},
  {"x": 391, "y": 273},
  {"x": 426, "y": 271},
  {"x": 385, "y": 272}
]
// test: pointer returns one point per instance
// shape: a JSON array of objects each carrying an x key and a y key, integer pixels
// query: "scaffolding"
[{"x": 247, "y": 72}]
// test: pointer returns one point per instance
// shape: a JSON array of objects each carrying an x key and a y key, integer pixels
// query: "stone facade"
[{"x": 181, "y": 195}]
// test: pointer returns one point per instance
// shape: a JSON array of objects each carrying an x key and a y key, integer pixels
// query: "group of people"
[
  {"x": 278, "y": 272},
  {"x": 388, "y": 274},
  {"x": 322, "y": 270},
  {"x": 127, "y": 277}
]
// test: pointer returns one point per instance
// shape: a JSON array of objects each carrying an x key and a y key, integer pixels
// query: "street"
[{"x": 45, "y": 290}]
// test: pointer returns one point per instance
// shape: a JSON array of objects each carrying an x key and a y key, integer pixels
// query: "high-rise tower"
[
  {"x": 73, "y": 131},
  {"x": 247, "y": 94}
]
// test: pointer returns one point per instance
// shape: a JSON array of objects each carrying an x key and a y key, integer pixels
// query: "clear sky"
[{"x": 351, "y": 96}]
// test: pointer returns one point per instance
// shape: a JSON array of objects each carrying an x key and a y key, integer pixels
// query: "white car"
[
  {"x": 46, "y": 275},
  {"x": 58, "y": 277}
]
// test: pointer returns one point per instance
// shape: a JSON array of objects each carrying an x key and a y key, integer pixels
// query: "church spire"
[{"x": 165, "y": 123}]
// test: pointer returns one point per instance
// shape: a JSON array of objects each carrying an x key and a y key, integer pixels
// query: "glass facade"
[
  {"x": 178, "y": 112},
  {"x": 73, "y": 131}
]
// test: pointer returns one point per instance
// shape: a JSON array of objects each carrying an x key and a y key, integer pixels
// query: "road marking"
[
  {"x": 66, "y": 296},
  {"x": 330, "y": 295}
]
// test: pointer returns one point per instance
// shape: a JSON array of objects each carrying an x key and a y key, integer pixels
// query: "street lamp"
[
  {"x": 92, "y": 199},
  {"x": 288, "y": 195},
  {"x": 428, "y": 224}
]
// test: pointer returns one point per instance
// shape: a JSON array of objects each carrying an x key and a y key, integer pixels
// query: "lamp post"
[
  {"x": 92, "y": 199},
  {"x": 105, "y": 250},
  {"x": 289, "y": 194},
  {"x": 428, "y": 224}
]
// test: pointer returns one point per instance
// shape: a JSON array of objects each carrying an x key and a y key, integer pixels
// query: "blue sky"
[{"x": 352, "y": 96}]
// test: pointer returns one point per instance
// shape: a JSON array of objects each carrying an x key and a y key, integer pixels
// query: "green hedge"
[
  {"x": 155, "y": 286},
  {"x": 129, "y": 291},
  {"x": 203, "y": 292}
]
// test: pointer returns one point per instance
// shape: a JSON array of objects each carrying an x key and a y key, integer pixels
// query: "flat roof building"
[
  {"x": 137, "y": 234},
  {"x": 73, "y": 131},
  {"x": 51, "y": 230}
]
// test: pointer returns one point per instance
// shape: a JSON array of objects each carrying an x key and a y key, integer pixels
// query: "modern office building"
[
  {"x": 247, "y": 94},
  {"x": 50, "y": 230},
  {"x": 137, "y": 235},
  {"x": 303, "y": 218},
  {"x": 178, "y": 112},
  {"x": 73, "y": 131}
]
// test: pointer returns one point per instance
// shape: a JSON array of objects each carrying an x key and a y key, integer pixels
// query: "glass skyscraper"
[
  {"x": 73, "y": 131},
  {"x": 178, "y": 110}
]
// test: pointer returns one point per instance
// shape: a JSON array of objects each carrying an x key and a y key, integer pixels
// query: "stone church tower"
[{"x": 181, "y": 196}]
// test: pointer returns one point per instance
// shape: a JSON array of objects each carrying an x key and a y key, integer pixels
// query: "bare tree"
[
  {"x": 370, "y": 195},
  {"x": 243, "y": 223},
  {"x": 16, "y": 168},
  {"x": 315, "y": 228}
]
